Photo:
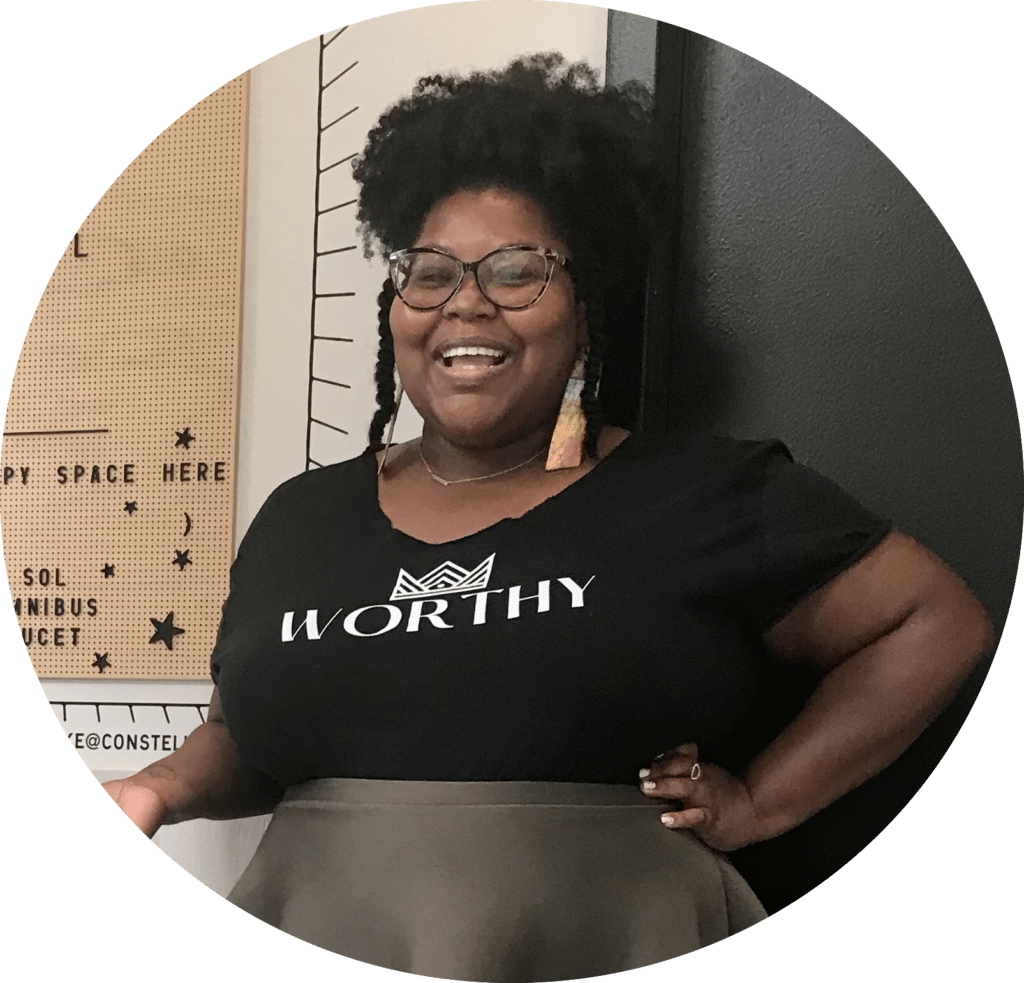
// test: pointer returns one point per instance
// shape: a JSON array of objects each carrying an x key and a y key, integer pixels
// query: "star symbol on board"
[
  {"x": 108, "y": 570},
  {"x": 181, "y": 557},
  {"x": 185, "y": 438},
  {"x": 130, "y": 507},
  {"x": 101, "y": 662},
  {"x": 165, "y": 630}
]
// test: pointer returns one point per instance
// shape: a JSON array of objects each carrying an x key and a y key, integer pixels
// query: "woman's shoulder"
[
  {"x": 758, "y": 478},
  {"x": 697, "y": 455},
  {"x": 317, "y": 489},
  {"x": 319, "y": 476}
]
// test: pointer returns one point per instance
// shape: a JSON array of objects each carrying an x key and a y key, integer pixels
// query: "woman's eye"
[
  {"x": 430, "y": 277},
  {"x": 512, "y": 275}
]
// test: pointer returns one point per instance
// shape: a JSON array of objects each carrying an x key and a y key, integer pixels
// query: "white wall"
[{"x": 392, "y": 52}]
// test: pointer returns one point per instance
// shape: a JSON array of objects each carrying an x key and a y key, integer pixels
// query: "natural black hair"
[
  {"x": 384, "y": 373},
  {"x": 544, "y": 128}
]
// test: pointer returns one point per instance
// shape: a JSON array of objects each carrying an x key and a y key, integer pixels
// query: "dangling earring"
[
  {"x": 566, "y": 447},
  {"x": 391, "y": 429}
]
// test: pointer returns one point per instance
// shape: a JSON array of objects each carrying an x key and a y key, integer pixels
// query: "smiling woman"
[
  {"x": 474, "y": 402},
  {"x": 487, "y": 379},
  {"x": 501, "y": 704}
]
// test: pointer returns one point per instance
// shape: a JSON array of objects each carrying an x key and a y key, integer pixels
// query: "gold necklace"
[{"x": 460, "y": 481}]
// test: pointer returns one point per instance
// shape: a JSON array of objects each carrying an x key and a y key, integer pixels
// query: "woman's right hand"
[
  {"x": 139, "y": 801},
  {"x": 203, "y": 779}
]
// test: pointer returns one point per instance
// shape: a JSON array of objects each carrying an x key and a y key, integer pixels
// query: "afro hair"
[{"x": 548, "y": 129}]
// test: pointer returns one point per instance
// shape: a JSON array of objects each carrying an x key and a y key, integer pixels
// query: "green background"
[{"x": 88, "y": 85}]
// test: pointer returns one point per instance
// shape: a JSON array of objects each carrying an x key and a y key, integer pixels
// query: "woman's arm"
[
  {"x": 204, "y": 779},
  {"x": 894, "y": 637}
]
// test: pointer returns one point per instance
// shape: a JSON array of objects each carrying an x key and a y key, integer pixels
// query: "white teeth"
[
  {"x": 471, "y": 350},
  {"x": 447, "y": 354}
]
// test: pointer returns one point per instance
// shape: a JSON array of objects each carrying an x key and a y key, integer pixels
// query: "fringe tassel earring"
[
  {"x": 566, "y": 448},
  {"x": 391, "y": 429}
]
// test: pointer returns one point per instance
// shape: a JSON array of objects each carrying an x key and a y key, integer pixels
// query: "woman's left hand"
[{"x": 717, "y": 807}]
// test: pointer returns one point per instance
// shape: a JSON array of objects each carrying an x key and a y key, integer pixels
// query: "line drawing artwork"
[
  {"x": 331, "y": 241},
  {"x": 200, "y": 708},
  {"x": 360, "y": 71}
]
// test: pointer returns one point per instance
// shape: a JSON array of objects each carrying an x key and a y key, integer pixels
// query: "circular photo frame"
[{"x": 808, "y": 291}]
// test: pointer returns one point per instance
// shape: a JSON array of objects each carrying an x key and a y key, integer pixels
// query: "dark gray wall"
[
  {"x": 822, "y": 302},
  {"x": 811, "y": 294}
]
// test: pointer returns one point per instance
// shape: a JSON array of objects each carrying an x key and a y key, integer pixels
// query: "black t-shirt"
[{"x": 613, "y": 621}]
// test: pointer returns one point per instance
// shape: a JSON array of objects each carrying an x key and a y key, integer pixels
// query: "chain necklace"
[{"x": 460, "y": 481}]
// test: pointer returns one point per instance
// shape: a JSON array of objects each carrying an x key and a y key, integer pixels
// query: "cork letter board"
[{"x": 118, "y": 461}]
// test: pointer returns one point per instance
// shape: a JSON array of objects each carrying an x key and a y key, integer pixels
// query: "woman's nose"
[{"x": 469, "y": 300}]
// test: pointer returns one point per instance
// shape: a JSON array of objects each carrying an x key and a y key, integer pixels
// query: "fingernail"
[
  {"x": 644, "y": 772},
  {"x": 648, "y": 786},
  {"x": 668, "y": 820}
]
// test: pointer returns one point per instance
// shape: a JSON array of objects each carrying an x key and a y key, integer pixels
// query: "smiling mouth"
[{"x": 471, "y": 355}]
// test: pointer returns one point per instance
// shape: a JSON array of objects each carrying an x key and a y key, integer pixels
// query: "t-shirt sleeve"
[
  {"x": 810, "y": 530},
  {"x": 223, "y": 628},
  {"x": 244, "y": 578}
]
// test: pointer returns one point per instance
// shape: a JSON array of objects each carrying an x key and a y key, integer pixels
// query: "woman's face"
[{"x": 480, "y": 400}]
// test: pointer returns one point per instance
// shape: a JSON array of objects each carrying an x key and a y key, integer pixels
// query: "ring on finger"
[{"x": 695, "y": 771}]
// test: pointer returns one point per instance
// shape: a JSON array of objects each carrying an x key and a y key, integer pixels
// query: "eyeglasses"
[{"x": 513, "y": 277}]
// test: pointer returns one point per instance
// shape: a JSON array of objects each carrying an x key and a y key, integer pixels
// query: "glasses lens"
[
  {"x": 426, "y": 279},
  {"x": 513, "y": 278}
]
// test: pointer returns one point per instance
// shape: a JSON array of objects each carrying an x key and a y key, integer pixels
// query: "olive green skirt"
[{"x": 504, "y": 882}]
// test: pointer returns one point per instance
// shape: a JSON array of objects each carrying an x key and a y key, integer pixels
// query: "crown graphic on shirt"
[{"x": 447, "y": 578}]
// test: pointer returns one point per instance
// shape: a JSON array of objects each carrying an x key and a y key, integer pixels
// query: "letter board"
[{"x": 118, "y": 462}]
